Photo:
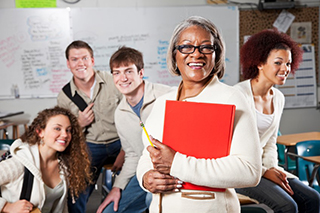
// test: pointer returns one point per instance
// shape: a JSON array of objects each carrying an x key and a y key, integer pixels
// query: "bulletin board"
[
  {"x": 253, "y": 21},
  {"x": 300, "y": 89}
]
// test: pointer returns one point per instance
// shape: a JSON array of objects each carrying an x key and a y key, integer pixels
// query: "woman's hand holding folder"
[
  {"x": 157, "y": 182},
  {"x": 159, "y": 179}
]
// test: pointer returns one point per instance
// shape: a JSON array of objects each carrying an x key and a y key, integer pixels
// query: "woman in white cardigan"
[
  {"x": 267, "y": 59},
  {"x": 196, "y": 52},
  {"x": 54, "y": 151}
]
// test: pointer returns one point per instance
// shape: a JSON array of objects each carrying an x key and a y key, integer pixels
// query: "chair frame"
[{"x": 303, "y": 149}]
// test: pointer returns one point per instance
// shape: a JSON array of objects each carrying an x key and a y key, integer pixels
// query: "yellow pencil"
[{"x": 144, "y": 129}]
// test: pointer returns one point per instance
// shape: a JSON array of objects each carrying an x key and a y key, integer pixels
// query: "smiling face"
[
  {"x": 277, "y": 67},
  {"x": 127, "y": 78},
  {"x": 57, "y": 134},
  {"x": 81, "y": 64},
  {"x": 195, "y": 67}
]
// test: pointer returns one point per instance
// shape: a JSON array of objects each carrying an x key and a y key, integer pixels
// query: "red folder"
[{"x": 201, "y": 130}]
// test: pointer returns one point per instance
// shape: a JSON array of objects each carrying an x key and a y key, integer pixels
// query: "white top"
[
  {"x": 263, "y": 122},
  {"x": 53, "y": 195},
  {"x": 268, "y": 140},
  {"x": 25, "y": 155}
]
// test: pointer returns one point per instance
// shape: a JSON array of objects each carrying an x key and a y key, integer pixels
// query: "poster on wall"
[
  {"x": 300, "y": 89},
  {"x": 301, "y": 32}
]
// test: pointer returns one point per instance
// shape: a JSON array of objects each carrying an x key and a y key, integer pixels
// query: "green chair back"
[
  {"x": 281, "y": 159},
  {"x": 5, "y": 144},
  {"x": 304, "y": 168},
  {"x": 291, "y": 167}
]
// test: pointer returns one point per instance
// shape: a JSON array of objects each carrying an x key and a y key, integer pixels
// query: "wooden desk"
[
  {"x": 293, "y": 139},
  {"x": 4, "y": 123},
  {"x": 316, "y": 160},
  {"x": 5, "y": 114},
  {"x": 4, "y": 127}
]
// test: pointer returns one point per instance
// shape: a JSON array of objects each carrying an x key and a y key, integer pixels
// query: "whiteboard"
[
  {"x": 32, "y": 44},
  {"x": 149, "y": 29}
]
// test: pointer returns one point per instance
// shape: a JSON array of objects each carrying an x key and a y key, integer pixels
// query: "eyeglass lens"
[{"x": 188, "y": 49}]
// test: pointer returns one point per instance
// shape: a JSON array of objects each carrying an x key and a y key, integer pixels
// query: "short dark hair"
[
  {"x": 258, "y": 47},
  {"x": 78, "y": 44},
  {"x": 125, "y": 56}
]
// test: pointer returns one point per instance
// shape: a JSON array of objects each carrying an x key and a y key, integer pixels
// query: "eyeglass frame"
[{"x": 178, "y": 47}]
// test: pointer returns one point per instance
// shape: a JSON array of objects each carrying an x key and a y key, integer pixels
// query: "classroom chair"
[
  {"x": 4, "y": 127},
  {"x": 249, "y": 205},
  {"x": 5, "y": 144},
  {"x": 304, "y": 168},
  {"x": 15, "y": 127},
  {"x": 256, "y": 208},
  {"x": 291, "y": 164},
  {"x": 107, "y": 180}
]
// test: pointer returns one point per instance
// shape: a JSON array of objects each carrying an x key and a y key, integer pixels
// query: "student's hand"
[
  {"x": 161, "y": 156},
  {"x": 117, "y": 165},
  {"x": 279, "y": 178},
  {"x": 21, "y": 206},
  {"x": 87, "y": 116},
  {"x": 113, "y": 196},
  {"x": 156, "y": 182}
]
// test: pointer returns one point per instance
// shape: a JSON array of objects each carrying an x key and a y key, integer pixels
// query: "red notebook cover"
[{"x": 201, "y": 130}]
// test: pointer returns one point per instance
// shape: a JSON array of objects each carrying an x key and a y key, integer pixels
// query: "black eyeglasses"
[{"x": 188, "y": 49}]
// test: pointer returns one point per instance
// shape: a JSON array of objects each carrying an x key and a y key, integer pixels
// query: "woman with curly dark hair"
[
  {"x": 53, "y": 149},
  {"x": 267, "y": 59}
]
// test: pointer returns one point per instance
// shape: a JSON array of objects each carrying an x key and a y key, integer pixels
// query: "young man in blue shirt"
[{"x": 127, "y": 68}]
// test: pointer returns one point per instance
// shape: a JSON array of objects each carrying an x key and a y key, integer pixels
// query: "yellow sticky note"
[{"x": 35, "y": 3}]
